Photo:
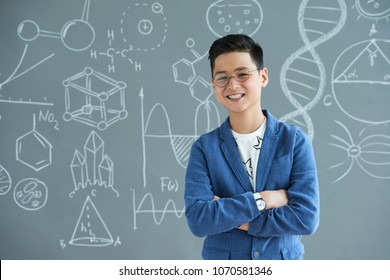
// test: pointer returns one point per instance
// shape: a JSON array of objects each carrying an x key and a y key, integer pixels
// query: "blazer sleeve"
[
  {"x": 301, "y": 215},
  {"x": 206, "y": 216}
]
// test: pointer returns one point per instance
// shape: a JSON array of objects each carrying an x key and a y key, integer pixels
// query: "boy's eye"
[
  {"x": 221, "y": 78},
  {"x": 242, "y": 75}
]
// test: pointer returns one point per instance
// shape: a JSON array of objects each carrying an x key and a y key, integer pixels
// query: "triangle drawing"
[
  {"x": 90, "y": 229},
  {"x": 371, "y": 65}
]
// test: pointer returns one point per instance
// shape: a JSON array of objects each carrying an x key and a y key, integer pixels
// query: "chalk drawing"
[
  {"x": 191, "y": 74},
  {"x": 180, "y": 144},
  {"x": 94, "y": 99},
  {"x": 93, "y": 168},
  {"x": 5, "y": 181},
  {"x": 144, "y": 26},
  {"x": 362, "y": 72},
  {"x": 168, "y": 184},
  {"x": 111, "y": 52},
  {"x": 231, "y": 16},
  {"x": 34, "y": 150},
  {"x": 49, "y": 118},
  {"x": 31, "y": 194},
  {"x": 14, "y": 76},
  {"x": 303, "y": 74},
  {"x": 373, "y": 9},
  {"x": 25, "y": 102},
  {"x": 158, "y": 214},
  {"x": 90, "y": 229},
  {"x": 206, "y": 118},
  {"x": 75, "y": 35},
  {"x": 371, "y": 153}
]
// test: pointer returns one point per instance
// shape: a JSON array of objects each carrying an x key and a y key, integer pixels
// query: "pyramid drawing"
[{"x": 90, "y": 229}]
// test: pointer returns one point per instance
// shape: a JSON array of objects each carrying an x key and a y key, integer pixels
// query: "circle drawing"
[
  {"x": 361, "y": 81},
  {"x": 227, "y": 16},
  {"x": 30, "y": 194},
  {"x": 144, "y": 26}
]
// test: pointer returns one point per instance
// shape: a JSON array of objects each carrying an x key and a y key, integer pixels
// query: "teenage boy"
[{"x": 251, "y": 185}]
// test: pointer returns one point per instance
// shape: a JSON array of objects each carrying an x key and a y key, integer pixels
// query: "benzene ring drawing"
[{"x": 33, "y": 149}]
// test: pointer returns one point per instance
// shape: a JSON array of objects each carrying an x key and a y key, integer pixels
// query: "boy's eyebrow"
[
  {"x": 220, "y": 72},
  {"x": 238, "y": 68}
]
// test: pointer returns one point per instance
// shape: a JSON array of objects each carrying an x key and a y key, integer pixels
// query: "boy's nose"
[{"x": 232, "y": 82}]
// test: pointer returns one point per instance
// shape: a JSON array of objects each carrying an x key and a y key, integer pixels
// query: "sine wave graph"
[
  {"x": 147, "y": 206},
  {"x": 158, "y": 125}
]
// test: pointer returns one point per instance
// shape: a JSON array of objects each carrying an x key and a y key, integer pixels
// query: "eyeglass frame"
[{"x": 249, "y": 72}]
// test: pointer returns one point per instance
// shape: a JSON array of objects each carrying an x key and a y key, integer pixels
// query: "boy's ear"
[{"x": 264, "y": 77}]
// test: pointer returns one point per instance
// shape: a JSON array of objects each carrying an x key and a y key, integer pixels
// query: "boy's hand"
[{"x": 275, "y": 199}]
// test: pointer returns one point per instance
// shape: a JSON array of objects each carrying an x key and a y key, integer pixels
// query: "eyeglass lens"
[{"x": 222, "y": 79}]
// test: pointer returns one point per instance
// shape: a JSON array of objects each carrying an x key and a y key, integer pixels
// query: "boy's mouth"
[{"x": 235, "y": 96}]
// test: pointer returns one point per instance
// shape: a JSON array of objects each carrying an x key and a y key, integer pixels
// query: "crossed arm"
[
  {"x": 273, "y": 199},
  {"x": 291, "y": 210}
]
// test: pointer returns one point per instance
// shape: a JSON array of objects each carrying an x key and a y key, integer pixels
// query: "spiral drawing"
[{"x": 303, "y": 74}]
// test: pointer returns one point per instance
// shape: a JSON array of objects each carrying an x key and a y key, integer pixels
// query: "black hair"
[{"x": 236, "y": 43}]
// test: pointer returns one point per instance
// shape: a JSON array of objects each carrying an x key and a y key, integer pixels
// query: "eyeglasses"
[{"x": 241, "y": 75}]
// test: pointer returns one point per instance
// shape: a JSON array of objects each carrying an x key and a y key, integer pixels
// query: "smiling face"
[{"x": 239, "y": 97}]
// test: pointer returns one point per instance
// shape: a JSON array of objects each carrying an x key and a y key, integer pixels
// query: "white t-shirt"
[{"x": 249, "y": 146}]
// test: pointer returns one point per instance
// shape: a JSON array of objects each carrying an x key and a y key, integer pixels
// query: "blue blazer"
[{"x": 215, "y": 168}]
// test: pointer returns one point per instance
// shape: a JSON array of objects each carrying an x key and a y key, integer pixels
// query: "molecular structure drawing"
[
  {"x": 75, "y": 35},
  {"x": 100, "y": 108}
]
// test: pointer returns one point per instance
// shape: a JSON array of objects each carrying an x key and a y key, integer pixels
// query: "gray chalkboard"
[{"x": 100, "y": 102}]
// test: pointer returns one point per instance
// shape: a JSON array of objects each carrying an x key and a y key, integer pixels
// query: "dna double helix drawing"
[{"x": 303, "y": 75}]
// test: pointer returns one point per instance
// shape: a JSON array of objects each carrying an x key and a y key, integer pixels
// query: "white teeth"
[{"x": 236, "y": 96}]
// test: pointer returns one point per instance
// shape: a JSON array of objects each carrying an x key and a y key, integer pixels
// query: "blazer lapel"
[
  {"x": 232, "y": 155},
  {"x": 267, "y": 153}
]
